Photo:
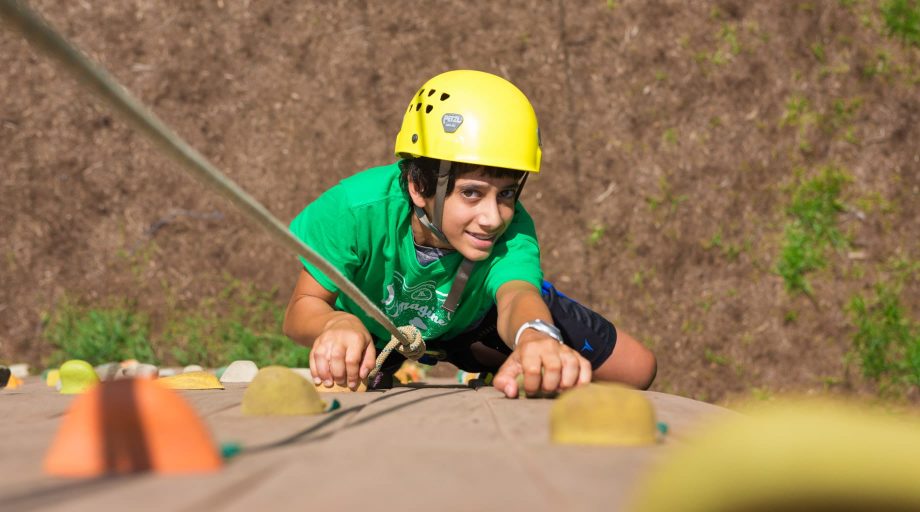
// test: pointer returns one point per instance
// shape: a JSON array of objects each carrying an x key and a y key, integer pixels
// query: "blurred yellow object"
[
  {"x": 14, "y": 382},
  {"x": 410, "y": 371},
  {"x": 54, "y": 376},
  {"x": 278, "y": 391},
  {"x": 799, "y": 456},
  {"x": 603, "y": 414},
  {"x": 192, "y": 380},
  {"x": 77, "y": 376}
]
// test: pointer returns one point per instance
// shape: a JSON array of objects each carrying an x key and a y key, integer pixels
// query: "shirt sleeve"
[
  {"x": 517, "y": 255},
  {"x": 327, "y": 225}
]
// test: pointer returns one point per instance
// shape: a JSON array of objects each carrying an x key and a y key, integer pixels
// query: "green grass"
[
  {"x": 242, "y": 322},
  {"x": 798, "y": 112},
  {"x": 731, "y": 251},
  {"x": 887, "y": 342},
  {"x": 902, "y": 20},
  {"x": 817, "y": 49},
  {"x": 812, "y": 228},
  {"x": 714, "y": 357},
  {"x": 670, "y": 136},
  {"x": 98, "y": 335},
  {"x": 596, "y": 235},
  {"x": 880, "y": 67},
  {"x": 666, "y": 197}
]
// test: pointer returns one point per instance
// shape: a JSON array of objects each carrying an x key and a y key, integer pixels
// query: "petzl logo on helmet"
[{"x": 451, "y": 122}]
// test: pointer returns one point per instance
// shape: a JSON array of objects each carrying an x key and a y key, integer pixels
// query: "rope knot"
[
  {"x": 414, "y": 351},
  {"x": 416, "y": 347}
]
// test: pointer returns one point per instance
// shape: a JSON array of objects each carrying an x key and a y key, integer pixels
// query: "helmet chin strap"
[
  {"x": 439, "y": 195},
  {"x": 466, "y": 266}
]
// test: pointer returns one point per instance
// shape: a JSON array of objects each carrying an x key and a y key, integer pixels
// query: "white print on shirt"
[{"x": 418, "y": 305}]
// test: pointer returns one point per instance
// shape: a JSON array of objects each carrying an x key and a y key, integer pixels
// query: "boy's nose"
[{"x": 490, "y": 217}]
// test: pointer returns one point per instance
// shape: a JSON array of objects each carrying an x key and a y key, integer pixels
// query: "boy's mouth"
[{"x": 482, "y": 240}]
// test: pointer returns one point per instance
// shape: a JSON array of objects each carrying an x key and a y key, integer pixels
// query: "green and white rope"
[{"x": 96, "y": 78}]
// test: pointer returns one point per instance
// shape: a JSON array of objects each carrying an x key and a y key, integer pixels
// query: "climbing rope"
[
  {"x": 96, "y": 78},
  {"x": 413, "y": 350}
]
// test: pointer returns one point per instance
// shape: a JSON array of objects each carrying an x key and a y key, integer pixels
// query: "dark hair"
[{"x": 424, "y": 173}]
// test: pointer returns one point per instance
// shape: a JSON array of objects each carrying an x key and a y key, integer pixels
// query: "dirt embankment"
[{"x": 670, "y": 154}]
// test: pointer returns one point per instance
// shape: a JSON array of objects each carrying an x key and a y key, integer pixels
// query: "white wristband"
[{"x": 550, "y": 330}]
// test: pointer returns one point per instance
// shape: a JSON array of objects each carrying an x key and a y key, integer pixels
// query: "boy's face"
[{"x": 476, "y": 213}]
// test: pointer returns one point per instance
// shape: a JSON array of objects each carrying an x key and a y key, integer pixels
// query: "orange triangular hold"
[{"x": 128, "y": 426}]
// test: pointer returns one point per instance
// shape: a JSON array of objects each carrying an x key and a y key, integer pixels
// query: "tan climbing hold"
[
  {"x": 77, "y": 376},
  {"x": 362, "y": 387},
  {"x": 278, "y": 391},
  {"x": 191, "y": 380},
  {"x": 138, "y": 371},
  {"x": 603, "y": 414},
  {"x": 522, "y": 394},
  {"x": 107, "y": 371}
]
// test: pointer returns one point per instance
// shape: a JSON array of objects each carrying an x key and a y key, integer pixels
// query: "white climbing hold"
[
  {"x": 240, "y": 371},
  {"x": 20, "y": 370}
]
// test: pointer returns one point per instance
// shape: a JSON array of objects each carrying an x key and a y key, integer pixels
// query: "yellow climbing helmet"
[{"x": 472, "y": 117}]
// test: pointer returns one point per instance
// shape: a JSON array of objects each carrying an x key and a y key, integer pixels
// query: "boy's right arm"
[{"x": 342, "y": 348}]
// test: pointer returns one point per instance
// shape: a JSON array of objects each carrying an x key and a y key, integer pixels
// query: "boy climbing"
[{"x": 440, "y": 242}]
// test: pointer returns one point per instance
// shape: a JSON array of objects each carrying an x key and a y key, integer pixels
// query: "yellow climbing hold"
[
  {"x": 603, "y": 414},
  {"x": 192, "y": 380},
  {"x": 278, "y": 391},
  {"x": 54, "y": 376},
  {"x": 792, "y": 455},
  {"x": 77, "y": 376}
]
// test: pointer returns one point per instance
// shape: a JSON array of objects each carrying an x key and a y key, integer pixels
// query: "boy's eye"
[
  {"x": 469, "y": 193},
  {"x": 508, "y": 193}
]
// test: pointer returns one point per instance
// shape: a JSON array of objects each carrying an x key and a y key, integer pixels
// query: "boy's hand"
[
  {"x": 547, "y": 365},
  {"x": 343, "y": 353}
]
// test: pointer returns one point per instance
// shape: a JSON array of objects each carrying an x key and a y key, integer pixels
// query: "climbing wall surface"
[{"x": 438, "y": 447}]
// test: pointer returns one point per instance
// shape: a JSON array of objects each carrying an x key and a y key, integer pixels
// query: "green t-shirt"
[{"x": 362, "y": 226}]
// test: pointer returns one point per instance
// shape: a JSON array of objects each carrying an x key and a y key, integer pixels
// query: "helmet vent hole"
[
  {"x": 444, "y": 96},
  {"x": 431, "y": 92},
  {"x": 418, "y": 106},
  {"x": 428, "y": 109},
  {"x": 420, "y": 91}
]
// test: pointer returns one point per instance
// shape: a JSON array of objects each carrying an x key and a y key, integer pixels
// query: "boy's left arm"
[{"x": 546, "y": 363}]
